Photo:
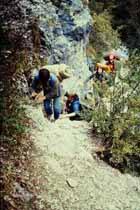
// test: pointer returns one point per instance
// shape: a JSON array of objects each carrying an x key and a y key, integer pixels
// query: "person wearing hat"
[{"x": 110, "y": 61}]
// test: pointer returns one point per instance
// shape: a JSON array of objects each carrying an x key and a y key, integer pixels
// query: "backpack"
[
  {"x": 62, "y": 71},
  {"x": 105, "y": 67}
]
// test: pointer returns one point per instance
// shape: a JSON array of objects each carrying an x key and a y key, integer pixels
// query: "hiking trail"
[{"x": 72, "y": 177}]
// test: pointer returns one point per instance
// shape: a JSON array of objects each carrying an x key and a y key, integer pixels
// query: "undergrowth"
[{"x": 115, "y": 115}]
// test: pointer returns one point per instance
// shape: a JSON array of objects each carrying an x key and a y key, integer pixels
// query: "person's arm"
[
  {"x": 34, "y": 85},
  {"x": 67, "y": 109},
  {"x": 92, "y": 75}
]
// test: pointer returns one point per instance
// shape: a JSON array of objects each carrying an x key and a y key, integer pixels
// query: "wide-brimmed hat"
[{"x": 114, "y": 54}]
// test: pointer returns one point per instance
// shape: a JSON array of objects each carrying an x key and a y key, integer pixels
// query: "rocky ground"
[{"x": 71, "y": 176}]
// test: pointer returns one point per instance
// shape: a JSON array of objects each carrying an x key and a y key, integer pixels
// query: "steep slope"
[{"x": 70, "y": 177}]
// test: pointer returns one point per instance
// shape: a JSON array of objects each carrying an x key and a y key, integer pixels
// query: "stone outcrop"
[
  {"x": 64, "y": 29},
  {"x": 58, "y": 30}
]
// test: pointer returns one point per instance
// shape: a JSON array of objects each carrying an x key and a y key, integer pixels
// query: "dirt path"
[{"x": 71, "y": 178}]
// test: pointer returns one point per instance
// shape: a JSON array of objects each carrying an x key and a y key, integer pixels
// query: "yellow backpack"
[{"x": 105, "y": 67}]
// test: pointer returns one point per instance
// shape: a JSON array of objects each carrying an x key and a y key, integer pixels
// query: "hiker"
[
  {"x": 72, "y": 103},
  {"x": 52, "y": 92},
  {"x": 103, "y": 71},
  {"x": 98, "y": 73},
  {"x": 110, "y": 62}
]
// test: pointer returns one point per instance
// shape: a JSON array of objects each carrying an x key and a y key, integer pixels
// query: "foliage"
[
  {"x": 14, "y": 121},
  {"x": 124, "y": 18},
  {"x": 116, "y": 116},
  {"x": 19, "y": 52},
  {"x": 103, "y": 37},
  {"x": 116, "y": 109}
]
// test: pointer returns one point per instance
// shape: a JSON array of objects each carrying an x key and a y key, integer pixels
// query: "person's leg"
[
  {"x": 76, "y": 110},
  {"x": 48, "y": 107},
  {"x": 57, "y": 107},
  {"x": 76, "y": 107}
]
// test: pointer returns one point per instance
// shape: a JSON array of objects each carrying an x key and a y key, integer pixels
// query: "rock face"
[
  {"x": 56, "y": 29},
  {"x": 64, "y": 27}
]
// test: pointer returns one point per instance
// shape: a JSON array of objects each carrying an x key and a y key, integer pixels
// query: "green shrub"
[
  {"x": 116, "y": 116},
  {"x": 104, "y": 37}
]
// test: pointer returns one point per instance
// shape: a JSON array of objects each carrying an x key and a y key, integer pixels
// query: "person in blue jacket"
[
  {"x": 73, "y": 103},
  {"x": 52, "y": 92}
]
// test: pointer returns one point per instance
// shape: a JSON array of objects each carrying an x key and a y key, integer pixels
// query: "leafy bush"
[
  {"x": 115, "y": 112},
  {"x": 103, "y": 37},
  {"x": 116, "y": 117}
]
